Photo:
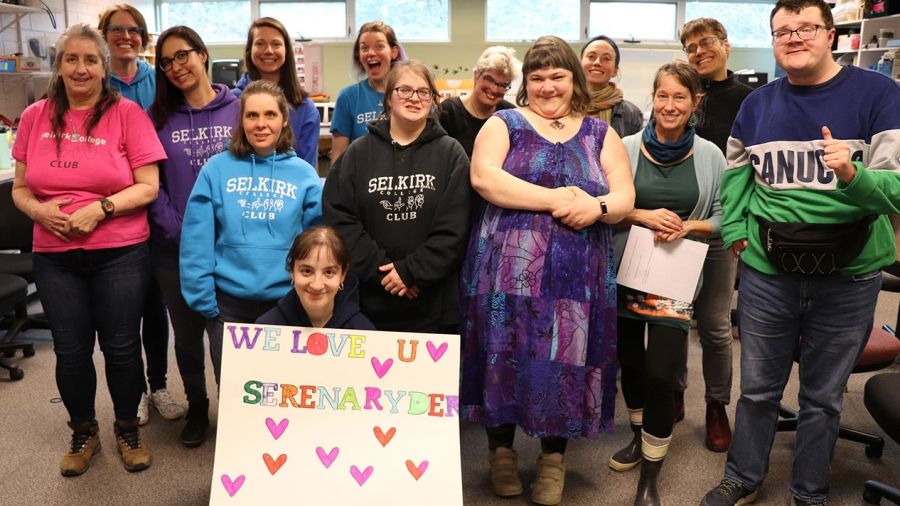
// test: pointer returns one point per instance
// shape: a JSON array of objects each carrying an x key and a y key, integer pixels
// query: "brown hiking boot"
[
  {"x": 548, "y": 485},
  {"x": 505, "y": 480},
  {"x": 85, "y": 443},
  {"x": 718, "y": 430},
  {"x": 135, "y": 456}
]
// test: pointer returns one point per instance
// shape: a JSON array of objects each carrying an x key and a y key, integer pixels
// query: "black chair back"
[{"x": 16, "y": 229}]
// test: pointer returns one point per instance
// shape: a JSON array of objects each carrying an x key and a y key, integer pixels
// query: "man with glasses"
[
  {"x": 705, "y": 42},
  {"x": 812, "y": 174}
]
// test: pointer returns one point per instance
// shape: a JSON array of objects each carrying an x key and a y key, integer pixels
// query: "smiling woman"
[{"x": 125, "y": 32}]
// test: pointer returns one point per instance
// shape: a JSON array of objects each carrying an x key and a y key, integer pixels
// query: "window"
[
  {"x": 322, "y": 20},
  {"x": 645, "y": 21},
  {"x": 747, "y": 23},
  {"x": 215, "y": 21},
  {"x": 412, "y": 20},
  {"x": 515, "y": 20}
]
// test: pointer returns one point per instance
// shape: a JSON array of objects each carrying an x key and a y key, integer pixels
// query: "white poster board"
[{"x": 345, "y": 417}]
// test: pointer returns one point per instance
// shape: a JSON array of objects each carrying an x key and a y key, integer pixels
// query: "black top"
[
  {"x": 718, "y": 108},
  {"x": 406, "y": 205},
  {"x": 461, "y": 125},
  {"x": 346, "y": 314}
]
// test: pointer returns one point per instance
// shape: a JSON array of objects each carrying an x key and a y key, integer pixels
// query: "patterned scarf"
[
  {"x": 603, "y": 100},
  {"x": 664, "y": 152}
]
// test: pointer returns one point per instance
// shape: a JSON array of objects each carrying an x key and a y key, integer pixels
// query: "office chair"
[
  {"x": 13, "y": 317},
  {"x": 16, "y": 232},
  {"x": 879, "y": 353}
]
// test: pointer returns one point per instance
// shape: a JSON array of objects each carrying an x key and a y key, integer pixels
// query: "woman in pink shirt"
[{"x": 86, "y": 168}]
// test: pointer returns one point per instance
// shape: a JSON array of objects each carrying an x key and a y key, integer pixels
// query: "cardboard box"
[{"x": 28, "y": 64}]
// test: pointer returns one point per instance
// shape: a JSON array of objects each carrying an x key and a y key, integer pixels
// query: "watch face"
[{"x": 108, "y": 206}]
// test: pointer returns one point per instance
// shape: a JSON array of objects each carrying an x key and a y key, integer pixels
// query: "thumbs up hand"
[{"x": 837, "y": 157}]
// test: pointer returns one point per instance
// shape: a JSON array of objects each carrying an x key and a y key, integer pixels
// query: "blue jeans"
[
  {"x": 84, "y": 292},
  {"x": 834, "y": 315}
]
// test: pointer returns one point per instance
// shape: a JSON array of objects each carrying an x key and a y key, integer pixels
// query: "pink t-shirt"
[{"x": 87, "y": 168}]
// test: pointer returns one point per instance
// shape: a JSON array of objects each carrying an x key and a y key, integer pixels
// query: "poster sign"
[{"x": 325, "y": 416}]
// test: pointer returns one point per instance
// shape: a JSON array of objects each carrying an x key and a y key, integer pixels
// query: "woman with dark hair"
[
  {"x": 676, "y": 179},
  {"x": 325, "y": 293},
  {"x": 194, "y": 120},
  {"x": 400, "y": 199},
  {"x": 538, "y": 285},
  {"x": 245, "y": 209},
  {"x": 85, "y": 171},
  {"x": 600, "y": 59},
  {"x": 269, "y": 54},
  {"x": 375, "y": 51},
  {"x": 126, "y": 35}
]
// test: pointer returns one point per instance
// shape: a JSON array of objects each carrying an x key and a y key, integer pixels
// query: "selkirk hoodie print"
[
  {"x": 241, "y": 218},
  {"x": 190, "y": 137}
]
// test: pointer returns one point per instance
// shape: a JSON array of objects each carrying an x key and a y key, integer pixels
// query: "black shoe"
[
  {"x": 728, "y": 493},
  {"x": 647, "y": 493},
  {"x": 194, "y": 432},
  {"x": 630, "y": 456}
]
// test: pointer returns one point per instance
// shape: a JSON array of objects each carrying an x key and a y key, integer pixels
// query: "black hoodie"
[
  {"x": 408, "y": 205},
  {"x": 346, "y": 314}
]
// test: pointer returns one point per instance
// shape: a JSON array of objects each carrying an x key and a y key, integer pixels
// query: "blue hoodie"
[
  {"x": 241, "y": 218},
  {"x": 141, "y": 89},
  {"x": 305, "y": 123},
  {"x": 190, "y": 137}
]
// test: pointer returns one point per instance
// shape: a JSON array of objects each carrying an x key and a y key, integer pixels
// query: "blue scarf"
[{"x": 664, "y": 152}]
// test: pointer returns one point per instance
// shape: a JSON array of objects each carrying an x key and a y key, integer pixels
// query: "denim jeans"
[
  {"x": 84, "y": 292},
  {"x": 713, "y": 312},
  {"x": 834, "y": 315}
]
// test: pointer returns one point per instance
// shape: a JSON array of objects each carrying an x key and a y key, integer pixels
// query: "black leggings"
[
  {"x": 503, "y": 436},
  {"x": 648, "y": 375}
]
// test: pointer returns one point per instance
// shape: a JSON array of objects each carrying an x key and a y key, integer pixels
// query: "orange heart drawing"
[
  {"x": 416, "y": 470},
  {"x": 384, "y": 437},
  {"x": 274, "y": 464}
]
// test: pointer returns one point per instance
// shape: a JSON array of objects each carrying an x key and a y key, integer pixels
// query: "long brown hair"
[
  {"x": 56, "y": 91},
  {"x": 550, "y": 51},
  {"x": 168, "y": 97},
  {"x": 240, "y": 146},
  {"x": 287, "y": 77}
]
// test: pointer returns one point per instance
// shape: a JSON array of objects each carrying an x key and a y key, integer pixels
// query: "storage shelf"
[{"x": 17, "y": 9}]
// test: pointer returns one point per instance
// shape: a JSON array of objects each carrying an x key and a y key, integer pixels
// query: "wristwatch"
[
  {"x": 603, "y": 210},
  {"x": 108, "y": 207}
]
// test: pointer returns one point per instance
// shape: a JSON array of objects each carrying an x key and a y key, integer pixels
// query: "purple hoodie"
[{"x": 190, "y": 137}]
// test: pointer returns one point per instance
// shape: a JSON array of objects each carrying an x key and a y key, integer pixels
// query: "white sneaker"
[
  {"x": 167, "y": 407},
  {"x": 143, "y": 410}
]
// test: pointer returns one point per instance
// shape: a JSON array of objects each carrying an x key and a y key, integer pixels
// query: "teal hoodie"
[
  {"x": 241, "y": 218},
  {"x": 141, "y": 89}
]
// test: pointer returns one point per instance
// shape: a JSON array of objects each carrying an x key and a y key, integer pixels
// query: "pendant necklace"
[
  {"x": 556, "y": 124},
  {"x": 75, "y": 133}
]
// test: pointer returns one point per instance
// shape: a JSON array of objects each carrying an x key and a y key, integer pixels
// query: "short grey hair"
[{"x": 500, "y": 59}]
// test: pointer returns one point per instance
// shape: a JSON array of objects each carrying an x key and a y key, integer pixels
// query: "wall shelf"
[{"x": 18, "y": 12}]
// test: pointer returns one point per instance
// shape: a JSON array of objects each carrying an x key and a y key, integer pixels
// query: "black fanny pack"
[{"x": 813, "y": 248}]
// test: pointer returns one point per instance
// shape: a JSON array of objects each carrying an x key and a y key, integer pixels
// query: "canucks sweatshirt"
[{"x": 776, "y": 170}]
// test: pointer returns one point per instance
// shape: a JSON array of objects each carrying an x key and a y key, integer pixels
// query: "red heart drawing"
[
  {"x": 416, "y": 470},
  {"x": 274, "y": 464},
  {"x": 384, "y": 437}
]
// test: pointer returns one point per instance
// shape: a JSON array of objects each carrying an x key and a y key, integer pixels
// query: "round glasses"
[
  {"x": 406, "y": 92},
  {"x": 181, "y": 57}
]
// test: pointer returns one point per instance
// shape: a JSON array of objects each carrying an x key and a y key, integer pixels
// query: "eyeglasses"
[
  {"x": 805, "y": 32},
  {"x": 122, "y": 29},
  {"x": 500, "y": 86},
  {"x": 181, "y": 57},
  {"x": 406, "y": 93},
  {"x": 704, "y": 43}
]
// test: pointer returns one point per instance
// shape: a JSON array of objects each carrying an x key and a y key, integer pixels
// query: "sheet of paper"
[
  {"x": 342, "y": 417},
  {"x": 669, "y": 270}
]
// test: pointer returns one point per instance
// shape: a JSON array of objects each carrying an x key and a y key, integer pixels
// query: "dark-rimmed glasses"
[
  {"x": 497, "y": 86},
  {"x": 181, "y": 57},
  {"x": 122, "y": 29},
  {"x": 704, "y": 43},
  {"x": 805, "y": 32},
  {"x": 406, "y": 92}
]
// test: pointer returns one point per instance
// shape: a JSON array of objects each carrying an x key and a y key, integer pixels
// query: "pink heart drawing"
[
  {"x": 232, "y": 487},
  {"x": 381, "y": 368},
  {"x": 277, "y": 429},
  {"x": 436, "y": 353},
  {"x": 327, "y": 458},
  {"x": 416, "y": 470},
  {"x": 361, "y": 477}
]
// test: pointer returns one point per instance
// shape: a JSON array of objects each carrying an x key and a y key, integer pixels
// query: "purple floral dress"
[{"x": 538, "y": 299}]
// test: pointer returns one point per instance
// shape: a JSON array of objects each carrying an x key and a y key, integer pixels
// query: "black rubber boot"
[
  {"x": 630, "y": 456},
  {"x": 647, "y": 494},
  {"x": 194, "y": 432}
]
